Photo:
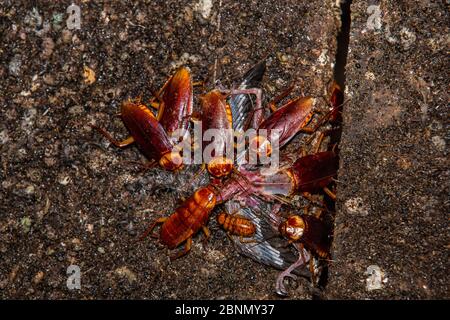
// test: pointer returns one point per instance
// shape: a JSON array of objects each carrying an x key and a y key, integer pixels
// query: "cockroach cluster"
[{"x": 257, "y": 207}]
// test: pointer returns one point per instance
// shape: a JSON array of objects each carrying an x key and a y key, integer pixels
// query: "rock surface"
[{"x": 391, "y": 229}]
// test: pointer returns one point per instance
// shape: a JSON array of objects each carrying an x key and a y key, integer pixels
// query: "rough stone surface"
[
  {"x": 392, "y": 212},
  {"x": 68, "y": 198}
]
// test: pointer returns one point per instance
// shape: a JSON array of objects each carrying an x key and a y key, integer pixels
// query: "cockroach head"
[
  {"x": 171, "y": 161},
  {"x": 206, "y": 197},
  {"x": 260, "y": 146},
  {"x": 293, "y": 228},
  {"x": 220, "y": 167}
]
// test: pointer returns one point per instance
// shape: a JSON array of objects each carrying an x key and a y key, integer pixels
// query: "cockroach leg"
[
  {"x": 206, "y": 233},
  {"x": 198, "y": 173},
  {"x": 330, "y": 193},
  {"x": 277, "y": 99},
  {"x": 251, "y": 240},
  {"x": 107, "y": 135},
  {"x": 157, "y": 95},
  {"x": 181, "y": 253},
  {"x": 151, "y": 227},
  {"x": 312, "y": 271},
  {"x": 280, "y": 287}
]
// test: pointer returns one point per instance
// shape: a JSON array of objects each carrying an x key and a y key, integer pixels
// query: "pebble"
[
  {"x": 15, "y": 65},
  {"x": 376, "y": 278},
  {"x": 357, "y": 206},
  {"x": 438, "y": 142},
  {"x": 125, "y": 272},
  {"x": 38, "y": 277},
  {"x": 25, "y": 222},
  {"x": 48, "y": 45}
]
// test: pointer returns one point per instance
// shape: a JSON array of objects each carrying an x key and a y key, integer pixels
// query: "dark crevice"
[{"x": 343, "y": 39}]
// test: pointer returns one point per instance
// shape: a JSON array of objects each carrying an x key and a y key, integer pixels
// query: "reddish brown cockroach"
[
  {"x": 304, "y": 232},
  {"x": 216, "y": 114},
  {"x": 310, "y": 231},
  {"x": 337, "y": 102},
  {"x": 186, "y": 221},
  {"x": 148, "y": 134},
  {"x": 153, "y": 135},
  {"x": 235, "y": 224},
  {"x": 308, "y": 174},
  {"x": 176, "y": 102},
  {"x": 287, "y": 121},
  {"x": 193, "y": 215},
  {"x": 313, "y": 172}
]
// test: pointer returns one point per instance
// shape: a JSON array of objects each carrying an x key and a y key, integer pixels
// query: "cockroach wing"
[
  {"x": 269, "y": 248},
  {"x": 315, "y": 171},
  {"x": 241, "y": 104},
  {"x": 177, "y": 108},
  {"x": 148, "y": 133}
]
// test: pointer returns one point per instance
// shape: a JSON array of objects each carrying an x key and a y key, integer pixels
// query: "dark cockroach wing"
[
  {"x": 289, "y": 119},
  {"x": 314, "y": 172},
  {"x": 148, "y": 133},
  {"x": 241, "y": 104},
  {"x": 216, "y": 113},
  {"x": 269, "y": 248}
]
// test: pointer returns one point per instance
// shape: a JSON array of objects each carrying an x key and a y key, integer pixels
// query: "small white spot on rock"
[
  {"x": 15, "y": 65},
  {"x": 64, "y": 180},
  {"x": 438, "y": 142},
  {"x": 357, "y": 206},
  {"x": 4, "y": 137},
  {"x": 323, "y": 58},
  {"x": 376, "y": 278},
  {"x": 370, "y": 76},
  {"x": 204, "y": 7},
  {"x": 127, "y": 273},
  {"x": 407, "y": 38},
  {"x": 184, "y": 59}
]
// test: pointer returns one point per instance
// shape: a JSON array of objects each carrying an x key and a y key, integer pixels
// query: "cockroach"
[
  {"x": 333, "y": 116},
  {"x": 311, "y": 237},
  {"x": 175, "y": 102},
  {"x": 235, "y": 224},
  {"x": 310, "y": 231},
  {"x": 288, "y": 120},
  {"x": 216, "y": 114},
  {"x": 314, "y": 172},
  {"x": 336, "y": 102},
  {"x": 193, "y": 215},
  {"x": 149, "y": 135},
  {"x": 308, "y": 174},
  {"x": 186, "y": 221}
]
